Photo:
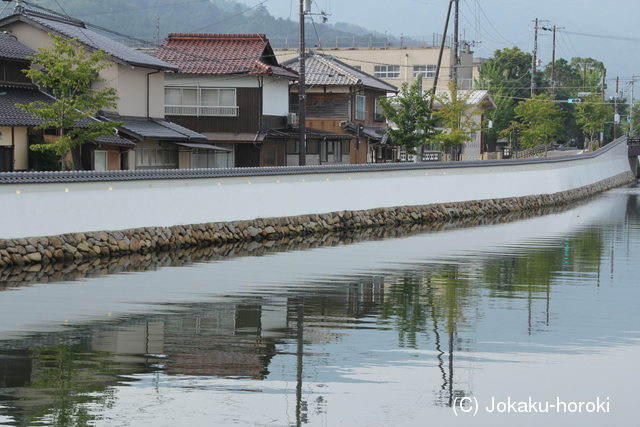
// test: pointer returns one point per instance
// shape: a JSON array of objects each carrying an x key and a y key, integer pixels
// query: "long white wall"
[{"x": 56, "y": 208}]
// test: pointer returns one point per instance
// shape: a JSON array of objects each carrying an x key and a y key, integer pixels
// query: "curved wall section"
[{"x": 44, "y": 204}]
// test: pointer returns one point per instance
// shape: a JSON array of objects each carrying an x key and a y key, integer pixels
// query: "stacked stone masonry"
[{"x": 86, "y": 246}]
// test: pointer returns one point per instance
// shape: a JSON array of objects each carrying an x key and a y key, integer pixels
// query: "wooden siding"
[
  {"x": 332, "y": 105},
  {"x": 248, "y": 120}
]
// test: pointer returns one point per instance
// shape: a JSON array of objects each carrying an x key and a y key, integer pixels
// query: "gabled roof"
[
  {"x": 197, "y": 53},
  {"x": 149, "y": 128},
  {"x": 11, "y": 48},
  {"x": 294, "y": 131},
  {"x": 325, "y": 70},
  {"x": 69, "y": 27}
]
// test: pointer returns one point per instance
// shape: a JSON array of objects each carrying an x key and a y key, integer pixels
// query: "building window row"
[
  {"x": 386, "y": 71},
  {"x": 200, "y": 101},
  {"x": 426, "y": 71}
]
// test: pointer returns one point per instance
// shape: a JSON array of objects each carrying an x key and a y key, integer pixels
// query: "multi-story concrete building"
[{"x": 398, "y": 65}]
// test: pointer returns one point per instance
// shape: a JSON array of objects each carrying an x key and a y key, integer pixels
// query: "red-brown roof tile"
[{"x": 198, "y": 53}]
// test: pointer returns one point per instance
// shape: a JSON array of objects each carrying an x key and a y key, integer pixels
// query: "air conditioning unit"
[{"x": 292, "y": 119}]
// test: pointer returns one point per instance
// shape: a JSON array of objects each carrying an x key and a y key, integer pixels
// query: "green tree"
[
  {"x": 591, "y": 72},
  {"x": 410, "y": 114},
  {"x": 507, "y": 77},
  {"x": 591, "y": 115},
  {"x": 70, "y": 73},
  {"x": 540, "y": 121},
  {"x": 456, "y": 116}
]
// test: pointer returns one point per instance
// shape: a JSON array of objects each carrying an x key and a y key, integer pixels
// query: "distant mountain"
[{"x": 152, "y": 20}]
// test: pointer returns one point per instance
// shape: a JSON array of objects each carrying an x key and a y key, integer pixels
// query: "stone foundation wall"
[{"x": 91, "y": 245}]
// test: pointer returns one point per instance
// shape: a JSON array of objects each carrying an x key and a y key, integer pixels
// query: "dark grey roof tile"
[
  {"x": 74, "y": 28},
  {"x": 11, "y": 48},
  {"x": 149, "y": 128}
]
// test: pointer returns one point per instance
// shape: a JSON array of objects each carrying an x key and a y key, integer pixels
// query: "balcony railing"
[{"x": 194, "y": 110}]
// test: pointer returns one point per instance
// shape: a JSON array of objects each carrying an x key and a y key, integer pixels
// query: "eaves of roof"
[
  {"x": 328, "y": 71},
  {"x": 294, "y": 131},
  {"x": 10, "y": 114},
  {"x": 71, "y": 28},
  {"x": 142, "y": 128}
]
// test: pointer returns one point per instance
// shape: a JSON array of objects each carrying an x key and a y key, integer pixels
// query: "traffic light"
[{"x": 574, "y": 101}]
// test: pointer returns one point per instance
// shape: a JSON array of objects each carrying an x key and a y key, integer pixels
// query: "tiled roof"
[
  {"x": 74, "y": 28},
  {"x": 292, "y": 131},
  {"x": 10, "y": 115},
  {"x": 375, "y": 133},
  {"x": 221, "y": 54},
  {"x": 11, "y": 48},
  {"x": 325, "y": 70},
  {"x": 115, "y": 140},
  {"x": 149, "y": 128}
]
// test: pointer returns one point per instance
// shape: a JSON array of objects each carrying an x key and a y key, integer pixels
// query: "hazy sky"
[{"x": 610, "y": 26}]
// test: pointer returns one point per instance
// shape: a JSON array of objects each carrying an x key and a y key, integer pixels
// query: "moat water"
[{"x": 528, "y": 319}]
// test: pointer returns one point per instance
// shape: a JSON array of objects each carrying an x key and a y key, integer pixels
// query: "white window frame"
[
  {"x": 227, "y": 109},
  {"x": 426, "y": 71},
  {"x": 361, "y": 107},
  {"x": 98, "y": 153},
  {"x": 386, "y": 71}
]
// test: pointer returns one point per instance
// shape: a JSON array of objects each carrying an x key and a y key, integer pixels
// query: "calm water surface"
[{"x": 530, "y": 321}]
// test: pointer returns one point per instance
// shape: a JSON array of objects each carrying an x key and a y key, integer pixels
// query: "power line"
[
  {"x": 142, "y": 8},
  {"x": 600, "y": 36}
]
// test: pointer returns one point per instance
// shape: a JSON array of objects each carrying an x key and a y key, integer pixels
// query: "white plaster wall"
[
  {"x": 50, "y": 209},
  {"x": 276, "y": 97}
]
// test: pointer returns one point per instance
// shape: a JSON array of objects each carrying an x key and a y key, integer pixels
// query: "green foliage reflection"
[{"x": 65, "y": 381}]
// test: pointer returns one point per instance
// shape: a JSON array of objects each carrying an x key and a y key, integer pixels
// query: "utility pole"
[
  {"x": 442, "y": 42},
  {"x": 553, "y": 63},
  {"x": 302, "y": 93},
  {"x": 534, "y": 65},
  {"x": 456, "y": 44},
  {"x": 615, "y": 116},
  {"x": 553, "y": 57},
  {"x": 633, "y": 81}
]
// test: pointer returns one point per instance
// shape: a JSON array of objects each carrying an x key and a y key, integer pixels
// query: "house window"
[
  {"x": 386, "y": 71},
  {"x": 357, "y": 67},
  {"x": 361, "y": 102},
  {"x": 204, "y": 159},
  {"x": 293, "y": 146},
  {"x": 100, "y": 160},
  {"x": 200, "y": 101},
  {"x": 378, "y": 116},
  {"x": 326, "y": 148},
  {"x": 427, "y": 71},
  {"x": 156, "y": 157},
  {"x": 337, "y": 151}
]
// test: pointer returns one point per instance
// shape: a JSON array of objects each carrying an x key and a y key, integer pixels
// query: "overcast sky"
[{"x": 611, "y": 25}]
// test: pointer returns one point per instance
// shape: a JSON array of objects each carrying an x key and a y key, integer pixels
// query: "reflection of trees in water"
[
  {"x": 434, "y": 305},
  {"x": 65, "y": 384}
]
